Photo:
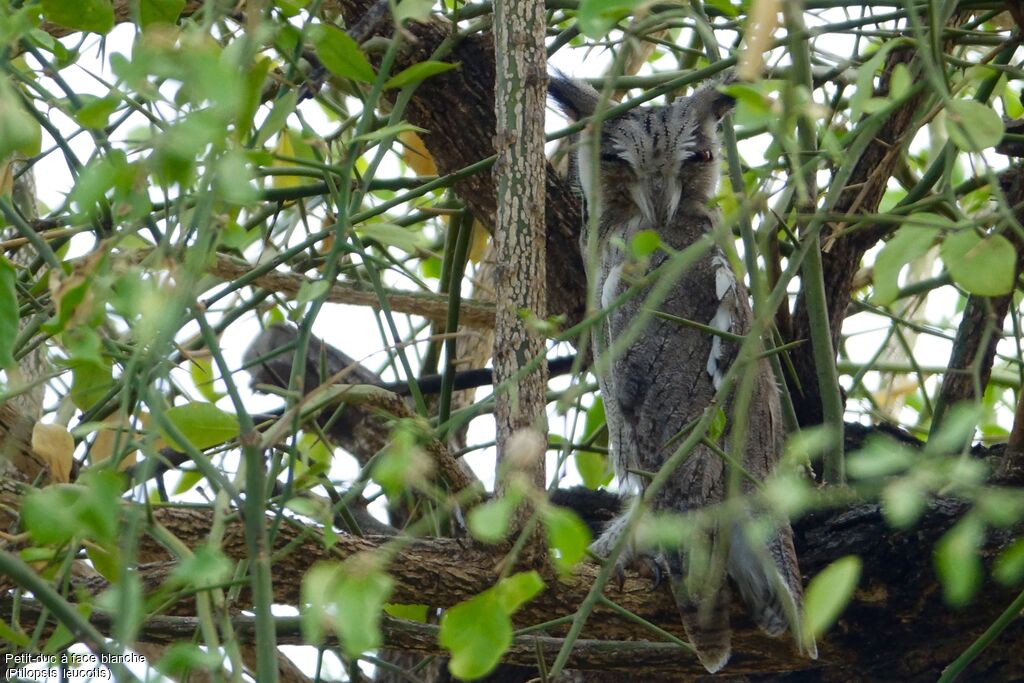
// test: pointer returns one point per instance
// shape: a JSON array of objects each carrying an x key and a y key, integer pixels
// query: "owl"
[{"x": 656, "y": 169}]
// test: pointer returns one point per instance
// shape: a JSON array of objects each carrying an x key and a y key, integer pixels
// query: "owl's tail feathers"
[
  {"x": 705, "y": 616},
  {"x": 769, "y": 583}
]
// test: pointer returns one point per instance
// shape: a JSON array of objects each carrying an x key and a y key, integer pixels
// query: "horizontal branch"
[
  {"x": 430, "y": 306},
  {"x": 898, "y": 588}
]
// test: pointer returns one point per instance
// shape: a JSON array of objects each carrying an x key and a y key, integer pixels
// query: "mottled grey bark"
[
  {"x": 520, "y": 87},
  {"x": 21, "y": 412}
]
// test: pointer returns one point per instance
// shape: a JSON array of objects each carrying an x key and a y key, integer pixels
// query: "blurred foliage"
[{"x": 168, "y": 145}]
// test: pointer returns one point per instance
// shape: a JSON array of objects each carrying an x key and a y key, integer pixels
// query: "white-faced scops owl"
[{"x": 657, "y": 168}]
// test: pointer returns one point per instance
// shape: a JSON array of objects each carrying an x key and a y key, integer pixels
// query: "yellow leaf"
[
  {"x": 415, "y": 154},
  {"x": 6, "y": 178},
  {"x": 117, "y": 434},
  {"x": 56, "y": 447},
  {"x": 285, "y": 148},
  {"x": 478, "y": 242}
]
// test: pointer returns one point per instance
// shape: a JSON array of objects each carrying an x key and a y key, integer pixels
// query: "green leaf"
[
  {"x": 183, "y": 659},
  {"x": 903, "y": 501},
  {"x": 827, "y": 594},
  {"x": 982, "y": 265},
  {"x": 278, "y": 116},
  {"x": 389, "y": 131},
  {"x": 234, "y": 236},
  {"x": 207, "y": 568},
  {"x": 956, "y": 430},
  {"x": 201, "y": 369},
  {"x": 1011, "y": 103},
  {"x": 123, "y": 598},
  {"x": 899, "y": 82},
  {"x": 644, "y": 243},
  {"x": 188, "y": 479},
  {"x": 290, "y": 8},
  {"x": 910, "y": 242},
  {"x": 753, "y": 107},
  {"x": 417, "y": 613},
  {"x": 252, "y": 97},
  {"x": 16, "y": 638},
  {"x": 866, "y": 79},
  {"x": 81, "y": 15},
  {"x": 106, "y": 561},
  {"x": 804, "y": 445},
  {"x": 96, "y": 111},
  {"x": 159, "y": 11},
  {"x": 790, "y": 493},
  {"x": 403, "y": 464},
  {"x": 88, "y": 508},
  {"x": 90, "y": 382},
  {"x": 957, "y": 561},
  {"x": 391, "y": 235},
  {"x": 596, "y": 17},
  {"x": 594, "y": 467},
  {"x": 8, "y": 312},
  {"x": 489, "y": 522},
  {"x": 973, "y": 126},
  {"x": 874, "y": 104},
  {"x": 414, "y": 10},
  {"x": 1000, "y": 507},
  {"x": 431, "y": 267},
  {"x": 315, "y": 458},
  {"x": 518, "y": 589},
  {"x": 341, "y": 55},
  {"x": 724, "y": 6},
  {"x": 348, "y": 598},
  {"x": 567, "y": 535},
  {"x": 233, "y": 179},
  {"x": 718, "y": 424},
  {"x": 478, "y": 631},
  {"x": 83, "y": 344},
  {"x": 1009, "y": 566},
  {"x": 311, "y": 290},
  {"x": 19, "y": 132},
  {"x": 417, "y": 73},
  {"x": 203, "y": 424},
  {"x": 879, "y": 457},
  {"x": 307, "y": 507}
]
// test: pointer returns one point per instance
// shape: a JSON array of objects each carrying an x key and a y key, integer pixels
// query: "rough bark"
[
  {"x": 19, "y": 413},
  {"x": 430, "y": 306},
  {"x": 519, "y": 286},
  {"x": 896, "y": 628},
  {"x": 458, "y": 110}
]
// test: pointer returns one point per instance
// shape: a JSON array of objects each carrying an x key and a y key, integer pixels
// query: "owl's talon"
[
  {"x": 656, "y": 574},
  {"x": 650, "y": 566}
]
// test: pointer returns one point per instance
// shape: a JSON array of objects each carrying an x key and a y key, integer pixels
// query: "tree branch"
[{"x": 879, "y": 635}]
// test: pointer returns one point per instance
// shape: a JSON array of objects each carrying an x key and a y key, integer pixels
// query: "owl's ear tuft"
[
  {"x": 576, "y": 99},
  {"x": 711, "y": 102}
]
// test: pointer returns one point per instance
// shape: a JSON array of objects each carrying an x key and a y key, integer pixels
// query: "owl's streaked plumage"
[{"x": 658, "y": 170}]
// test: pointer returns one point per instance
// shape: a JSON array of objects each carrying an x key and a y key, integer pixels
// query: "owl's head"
[{"x": 651, "y": 160}]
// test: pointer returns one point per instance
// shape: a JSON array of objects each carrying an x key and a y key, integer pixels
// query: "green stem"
[
  {"x": 1013, "y": 611},
  {"x": 457, "y": 271},
  {"x": 22, "y": 575},
  {"x": 254, "y": 517}
]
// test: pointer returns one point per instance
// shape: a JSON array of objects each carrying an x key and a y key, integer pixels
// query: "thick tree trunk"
[{"x": 519, "y": 286}]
